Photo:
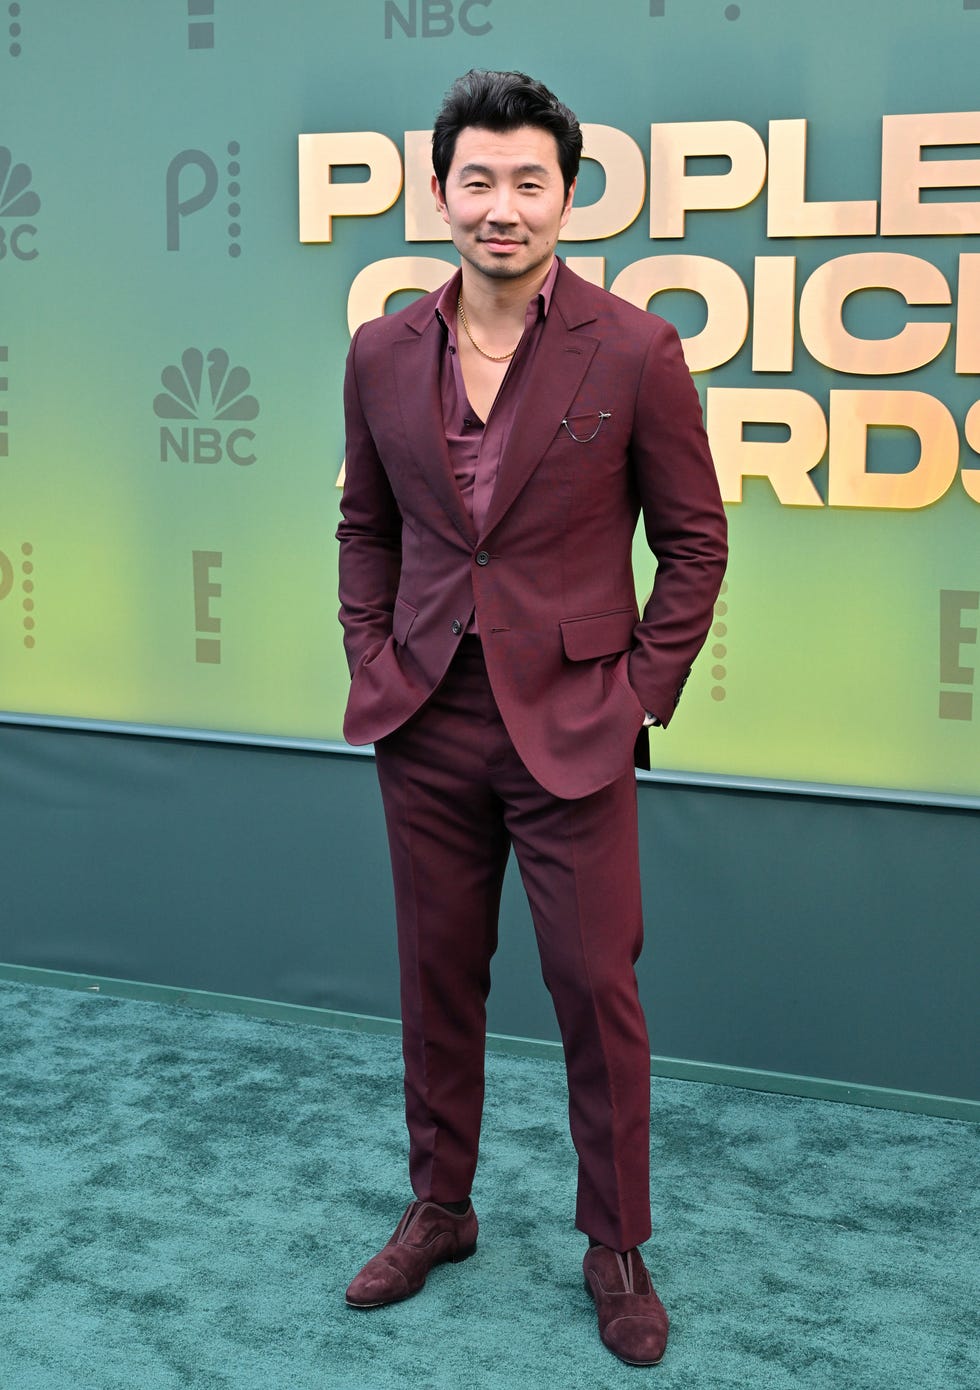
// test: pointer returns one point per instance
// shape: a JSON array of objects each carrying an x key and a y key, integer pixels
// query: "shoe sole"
[{"x": 456, "y": 1259}]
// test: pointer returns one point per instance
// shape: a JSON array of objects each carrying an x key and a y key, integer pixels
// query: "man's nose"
[{"x": 502, "y": 207}]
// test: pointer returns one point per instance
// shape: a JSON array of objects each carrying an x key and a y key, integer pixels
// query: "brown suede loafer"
[
  {"x": 427, "y": 1235},
  {"x": 633, "y": 1322}
]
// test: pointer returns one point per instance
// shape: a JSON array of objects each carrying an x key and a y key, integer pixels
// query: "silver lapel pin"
[{"x": 587, "y": 439}]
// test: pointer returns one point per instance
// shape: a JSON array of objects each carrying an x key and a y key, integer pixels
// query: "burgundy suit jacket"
[{"x": 572, "y": 663}]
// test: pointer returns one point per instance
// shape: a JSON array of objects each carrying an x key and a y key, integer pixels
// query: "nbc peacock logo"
[
  {"x": 206, "y": 387},
  {"x": 18, "y": 202}
]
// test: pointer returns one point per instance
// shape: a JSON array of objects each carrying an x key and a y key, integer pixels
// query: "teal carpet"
[{"x": 184, "y": 1196}]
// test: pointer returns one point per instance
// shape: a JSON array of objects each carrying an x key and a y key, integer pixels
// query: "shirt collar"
[{"x": 447, "y": 301}]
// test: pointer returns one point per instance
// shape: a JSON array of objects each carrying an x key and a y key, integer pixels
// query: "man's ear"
[
  {"x": 567, "y": 211},
  {"x": 440, "y": 198}
]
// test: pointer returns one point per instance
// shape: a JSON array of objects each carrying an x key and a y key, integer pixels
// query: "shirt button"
[
  {"x": 452, "y": 349},
  {"x": 457, "y": 627},
  {"x": 482, "y": 557}
]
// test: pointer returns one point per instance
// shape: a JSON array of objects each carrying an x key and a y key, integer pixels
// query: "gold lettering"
[
  {"x": 904, "y": 173},
  {"x": 621, "y": 160},
  {"x": 968, "y": 315},
  {"x": 822, "y": 301},
  {"x": 591, "y": 268},
  {"x": 787, "y": 463},
  {"x": 970, "y": 477},
  {"x": 853, "y": 413},
  {"x": 789, "y": 212},
  {"x": 773, "y": 314},
  {"x": 674, "y": 192},
  {"x": 718, "y": 285},
  {"x": 321, "y": 200},
  {"x": 377, "y": 282},
  {"x": 423, "y": 221}
]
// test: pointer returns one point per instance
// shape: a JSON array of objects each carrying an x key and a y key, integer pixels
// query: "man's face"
[{"x": 505, "y": 200}]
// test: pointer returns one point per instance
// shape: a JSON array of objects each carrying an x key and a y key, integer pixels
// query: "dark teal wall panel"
[
  {"x": 254, "y": 872},
  {"x": 820, "y": 937},
  {"x": 824, "y": 937}
]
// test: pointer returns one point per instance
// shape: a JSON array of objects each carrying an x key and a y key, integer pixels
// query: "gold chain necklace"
[{"x": 504, "y": 356}]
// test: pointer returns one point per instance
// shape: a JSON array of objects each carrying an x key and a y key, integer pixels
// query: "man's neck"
[{"x": 501, "y": 301}]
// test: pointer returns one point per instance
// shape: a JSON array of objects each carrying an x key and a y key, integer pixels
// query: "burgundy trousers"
[{"x": 456, "y": 798}]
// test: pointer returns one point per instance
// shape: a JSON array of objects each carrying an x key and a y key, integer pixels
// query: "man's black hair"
[{"x": 504, "y": 101}]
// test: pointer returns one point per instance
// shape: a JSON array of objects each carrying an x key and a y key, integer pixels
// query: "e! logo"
[
  {"x": 434, "y": 19},
  {"x": 208, "y": 650},
  {"x": 17, "y": 199},
  {"x": 229, "y": 401},
  {"x": 200, "y": 34},
  {"x": 192, "y": 185},
  {"x": 954, "y": 635}
]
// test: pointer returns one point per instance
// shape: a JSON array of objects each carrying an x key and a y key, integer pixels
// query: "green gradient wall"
[{"x": 847, "y": 653}]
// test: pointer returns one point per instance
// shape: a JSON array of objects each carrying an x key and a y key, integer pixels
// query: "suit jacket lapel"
[
  {"x": 416, "y": 364},
  {"x": 560, "y": 363}
]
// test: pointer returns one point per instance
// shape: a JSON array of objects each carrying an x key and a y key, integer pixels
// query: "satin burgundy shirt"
[{"x": 476, "y": 446}]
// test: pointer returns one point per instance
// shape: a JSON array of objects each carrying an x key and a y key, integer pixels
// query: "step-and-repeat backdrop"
[{"x": 199, "y": 200}]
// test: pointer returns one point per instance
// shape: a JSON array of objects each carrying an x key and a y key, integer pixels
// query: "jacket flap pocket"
[
  {"x": 602, "y": 634},
  {"x": 402, "y": 620}
]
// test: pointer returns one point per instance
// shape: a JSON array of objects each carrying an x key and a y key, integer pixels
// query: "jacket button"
[
  {"x": 457, "y": 627},
  {"x": 482, "y": 557}
]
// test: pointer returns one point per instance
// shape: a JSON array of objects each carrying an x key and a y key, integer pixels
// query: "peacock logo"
[
  {"x": 205, "y": 387},
  {"x": 18, "y": 200},
  {"x": 228, "y": 387}
]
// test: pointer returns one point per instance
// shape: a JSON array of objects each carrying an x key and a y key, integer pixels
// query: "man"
[{"x": 503, "y": 435}]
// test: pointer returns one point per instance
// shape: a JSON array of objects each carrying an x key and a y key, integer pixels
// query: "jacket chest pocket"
[
  {"x": 585, "y": 427},
  {"x": 593, "y": 445}
]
